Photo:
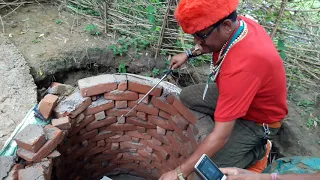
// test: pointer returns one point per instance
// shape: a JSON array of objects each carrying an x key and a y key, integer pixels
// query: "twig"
[
  {"x": 283, "y": 5},
  {"x": 12, "y": 11},
  {"x": 164, "y": 23},
  {"x": 2, "y": 25}
]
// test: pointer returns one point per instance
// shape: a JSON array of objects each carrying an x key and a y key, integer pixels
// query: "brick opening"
[{"x": 88, "y": 139}]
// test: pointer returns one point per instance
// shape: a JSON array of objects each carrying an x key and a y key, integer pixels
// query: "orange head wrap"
[{"x": 196, "y": 15}]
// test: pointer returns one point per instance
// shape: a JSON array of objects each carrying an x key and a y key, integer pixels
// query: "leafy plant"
[
  {"x": 281, "y": 48},
  {"x": 93, "y": 29},
  {"x": 58, "y": 21},
  {"x": 122, "y": 68},
  {"x": 36, "y": 40},
  {"x": 155, "y": 71}
]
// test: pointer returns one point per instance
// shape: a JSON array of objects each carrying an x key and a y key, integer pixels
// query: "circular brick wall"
[{"x": 93, "y": 140}]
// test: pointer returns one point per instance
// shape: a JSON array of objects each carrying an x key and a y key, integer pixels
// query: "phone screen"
[{"x": 209, "y": 169}]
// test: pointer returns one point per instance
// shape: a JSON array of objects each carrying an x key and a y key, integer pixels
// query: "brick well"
[{"x": 87, "y": 139}]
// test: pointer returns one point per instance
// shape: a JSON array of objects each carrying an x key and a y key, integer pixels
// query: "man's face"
[{"x": 214, "y": 37}]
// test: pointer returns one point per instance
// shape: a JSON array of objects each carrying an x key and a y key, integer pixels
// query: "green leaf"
[
  {"x": 151, "y": 9},
  {"x": 281, "y": 45},
  {"x": 153, "y": 28},
  {"x": 152, "y": 19},
  {"x": 283, "y": 55}
]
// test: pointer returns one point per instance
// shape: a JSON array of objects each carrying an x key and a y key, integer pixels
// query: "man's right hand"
[{"x": 177, "y": 60}]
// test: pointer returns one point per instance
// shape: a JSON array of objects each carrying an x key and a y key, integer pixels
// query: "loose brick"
[
  {"x": 181, "y": 122},
  {"x": 121, "y": 95},
  {"x": 31, "y": 173},
  {"x": 97, "y": 124},
  {"x": 100, "y": 116},
  {"x": 97, "y": 85},
  {"x": 177, "y": 130},
  {"x": 102, "y": 135},
  {"x": 161, "y": 131},
  {"x": 135, "y": 140},
  {"x": 132, "y": 145},
  {"x": 72, "y": 106},
  {"x": 79, "y": 118},
  {"x": 54, "y": 154},
  {"x": 46, "y": 165},
  {"x": 161, "y": 103},
  {"x": 62, "y": 123},
  {"x": 13, "y": 174},
  {"x": 100, "y": 105},
  {"x": 146, "y": 100},
  {"x": 144, "y": 108},
  {"x": 121, "y": 120},
  {"x": 185, "y": 111},
  {"x": 142, "y": 115},
  {"x": 47, "y": 104},
  {"x": 31, "y": 138},
  {"x": 156, "y": 141},
  {"x": 118, "y": 138},
  {"x": 161, "y": 138},
  {"x": 121, "y": 104},
  {"x": 115, "y": 146},
  {"x": 138, "y": 122},
  {"x": 164, "y": 114},
  {"x": 101, "y": 143},
  {"x": 160, "y": 122},
  {"x": 170, "y": 98},
  {"x": 143, "y": 87},
  {"x": 54, "y": 137},
  {"x": 123, "y": 86},
  {"x": 141, "y": 129},
  {"x": 120, "y": 112},
  {"x": 121, "y": 127},
  {"x": 136, "y": 134}
]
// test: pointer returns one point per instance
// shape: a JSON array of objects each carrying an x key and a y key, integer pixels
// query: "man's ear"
[{"x": 226, "y": 26}]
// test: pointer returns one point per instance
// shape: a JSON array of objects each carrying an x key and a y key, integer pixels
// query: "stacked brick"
[{"x": 153, "y": 139}]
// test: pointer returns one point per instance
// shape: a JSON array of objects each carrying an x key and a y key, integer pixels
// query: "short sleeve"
[{"x": 236, "y": 92}]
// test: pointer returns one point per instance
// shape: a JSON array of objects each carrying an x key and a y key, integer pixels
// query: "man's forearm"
[
  {"x": 210, "y": 146},
  {"x": 298, "y": 176}
]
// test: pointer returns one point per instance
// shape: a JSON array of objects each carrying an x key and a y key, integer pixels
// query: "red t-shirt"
[{"x": 252, "y": 81}]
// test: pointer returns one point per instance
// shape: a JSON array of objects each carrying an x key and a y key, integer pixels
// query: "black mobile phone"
[{"x": 208, "y": 170}]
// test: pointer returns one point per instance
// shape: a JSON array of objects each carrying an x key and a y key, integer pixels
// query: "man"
[{"x": 247, "y": 97}]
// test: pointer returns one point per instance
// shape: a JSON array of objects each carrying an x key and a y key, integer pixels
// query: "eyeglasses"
[{"x": 214, "y": 26}]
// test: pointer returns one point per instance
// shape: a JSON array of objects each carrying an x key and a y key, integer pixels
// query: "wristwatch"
[
  {"x": 193, "y": 52},
  {"x": 180, "y": 174}
]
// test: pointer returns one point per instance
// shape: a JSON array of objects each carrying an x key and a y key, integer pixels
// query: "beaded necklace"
[{"x": 240, "y": 33}]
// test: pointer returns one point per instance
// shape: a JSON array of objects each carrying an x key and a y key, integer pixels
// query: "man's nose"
[{"x": 197, "y": 40}]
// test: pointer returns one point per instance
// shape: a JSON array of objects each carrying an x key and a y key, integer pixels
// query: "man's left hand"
[{"x": 171, "y": 175}]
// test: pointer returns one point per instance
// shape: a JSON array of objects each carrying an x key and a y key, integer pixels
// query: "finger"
[
  {"x": 229, "y": 171},
  {"x": 171, "y": 63},
  {"x": 175, "y": 66}
]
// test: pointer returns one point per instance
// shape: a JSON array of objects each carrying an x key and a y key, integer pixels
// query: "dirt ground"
[{"x": 65, "y": 52}]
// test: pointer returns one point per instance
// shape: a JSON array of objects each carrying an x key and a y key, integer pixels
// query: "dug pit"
[{"x": 88, "y": 139}]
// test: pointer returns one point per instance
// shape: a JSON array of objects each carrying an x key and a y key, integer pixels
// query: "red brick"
[
  {"x": 115, "y": 146},
  {"x": 123, "y": 86},
  {"x": 170, "y": 98},
  {"x": 132, "y": 145},
  {"x": 144, "y": 153},
  {"x": 162, "y": 154},
  {"x": 85, "y": 143},
  {"x": 102, "y": 135},
  {"x": 31, "y": 138},
  {"x": 97, "y": 124},
  {"x": 138, "y": 135},
  {"x": 164, "y": 106},
  {"x": 100, "y": 105},
  {"x": 191, "y": 137},
  {"x": 82, "y": 124},
  {"x": 100, "y": 116},
  {"x": 101, "y": 143},
  {"x": 164, "y": 114},
  {"x": 121, "y": 120},
  {"x": 146, "y": 100},
  {"x": 97, "y": 85},
  {"x": 121, "y": 127},
  {"x": 121, "y": 104},
  {"x": 185, "y": 111},
  {"x": 120, "y": 112},
  {"x": 154, "y": 146},
  {"x": 94, "y": 98},
  {"x": 160, "y": 122},
  {"x": 54, "y": 154},
  {"x": 121, "y": 95},
  {"x": 118, "y": 138},
  {"x": 72, "y": 106},
  {"x": 144, "y": 89},
  {"x": 54, "y": 137},
  {"x": 170, "y": 149},
  {"x": 138, "y": 122},
  {"x": 161, "y": 138},
  {"x": 82, "y": 131},
  {"x": 174, "y": 142},
  {"x": 141, "y": 129},
  {"x": 135, "y": 140},
  {"x": 134, "y": 156},
  {"x": 120, "y": 133},
  {"x": 144, "y": 108},
  {"x": 181, "y": 122},
  {"x": 156, "y": 141},
  {"x": 177, "y": 130},
  {"x": 95, "y": 150},
  {"x": 62, "y": 123},
  {"x": 142, "y": 115},
  {"x": 127, "y": 161},
  {"x": 161, "y": 131},
  {"x": 31, "y": 173},
  {"x": 79, "y": 118},
  {"x": 86, "y": 136},
  {"x": 47, "y": 104}
]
